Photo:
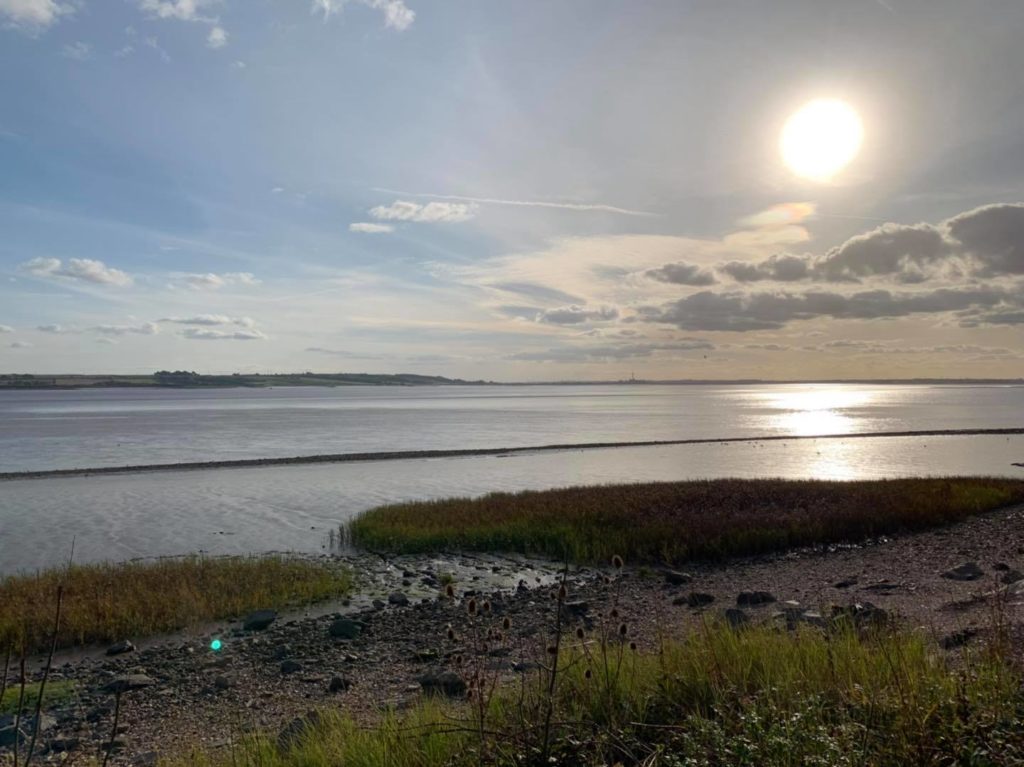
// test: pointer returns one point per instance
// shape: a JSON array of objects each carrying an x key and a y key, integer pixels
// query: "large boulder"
[
  {"x": 754, "y": 598},
  {"x": 120, "y": 648}
]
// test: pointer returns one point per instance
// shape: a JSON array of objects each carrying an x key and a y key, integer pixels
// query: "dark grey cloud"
[
  {"x": 770, "y": 311},
  {"x": 982, "y": 243},
  {"x": 682, "y": 273},
  {"x": 575, "y": 315},
  {"x": 611, "y": 352},
  {"x": 781, "y": 268}
]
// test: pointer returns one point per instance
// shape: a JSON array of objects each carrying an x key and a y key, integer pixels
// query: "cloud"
[
  {"x": 611, "y": 352},
  {"x": 595, "y": 207},
  {"x": 782, "y": 215},
  {"x": 78, "y": 51},
  {"x": 211, "y": 281},
  {"x": 682, "y": 274},
  {"x": 55, "y": 329},
  {"x": 21, "y": 345},
  {"x": 743, "y": 312},
  {"x": 145, "y": 329},
  {"x": 781, "y": 268},
  {"x": 217, "y": 38},
  {"x": 211, "y": 320},
  {"x": 205, "y": 334},
  {"x": 537, "y": 292},
  {"x": 397, "y": 15},
  {"x": 432, "y": 212},
  {"x": 981, "y": 243},
  {"x": 183, "y": 10},
  {"x": 575, "y": 315},
  {"x": 106, "y": 341},
  {"x": 81, "y": 269},
  {"x": 368, "y": 228},
  {"x": 33, "y": 15},
  {"x": 6, "y": 329}
]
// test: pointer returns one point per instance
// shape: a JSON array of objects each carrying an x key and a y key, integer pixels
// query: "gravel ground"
[{"x": 195, "y": 696}]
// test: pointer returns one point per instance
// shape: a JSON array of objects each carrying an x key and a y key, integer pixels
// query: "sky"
[{"x": 556, "y": 190}]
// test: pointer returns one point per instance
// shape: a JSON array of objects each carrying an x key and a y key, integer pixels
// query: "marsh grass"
[
  {"x": 57, "y": 692},
  {"x": 718, "y": 697},
  {"x": 110, "y": 602},
  {"x": 679, "y": 521}
]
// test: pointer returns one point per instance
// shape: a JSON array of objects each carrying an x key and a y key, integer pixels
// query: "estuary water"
[{"x": 295, "y": 507}]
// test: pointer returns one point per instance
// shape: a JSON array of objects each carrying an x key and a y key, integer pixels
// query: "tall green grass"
[
  {"x": 755, "y": 698},
  {"x": 678, "y": 521},
  {"x": 110, "y": 602}
]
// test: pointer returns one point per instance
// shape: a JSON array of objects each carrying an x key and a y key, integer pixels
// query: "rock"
[
  {"x": 1000, "y": 566},
  {"x": 345, "y": 628},
  {"x": 378, "y": 605},
  {"x": 443, "y": 683},
  {"x": 578, "y": 608},
  {"x": 845, "y": 583},
  {"x": 699, "y": 599},
  {"x": 957, "y": 639},
  {"x": 293, "y": 732},
  {"x": 338, "y": 684},
  {"x": 221, "y": 682},
  {"x": 676, "y": 578},
  {"x": 259, "y": 620},
  {"x": 1011, "y": 576},
  {"x": 398, "y": 599},
  {"x": 146, "y": 759},
  {"x": 968, "y": 571},
  {"x": 736, "y": 618},
  {"x": 424, "y": 656},
  {"x": 861, "y": 615},
  {"x": 754, "y": 598},
  {"x": 127, "y": 683},
  {"x": 882, "y": 587},
  {"x": 24, "y": 731},
  {"x": 290, "y": 666},
  {"x": 64, "y": 744},
  {"x": 120, "y": 648}
]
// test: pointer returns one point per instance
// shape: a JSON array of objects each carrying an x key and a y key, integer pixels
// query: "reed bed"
[
  {"x": 110, "y": 602},
  {"x": 673, "y": 522}
]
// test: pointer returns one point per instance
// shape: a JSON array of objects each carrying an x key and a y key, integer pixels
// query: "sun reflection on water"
[{"x": 816, "y": 411}]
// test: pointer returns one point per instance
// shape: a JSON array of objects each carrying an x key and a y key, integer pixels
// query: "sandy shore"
[{"x": 262, "y": 679}]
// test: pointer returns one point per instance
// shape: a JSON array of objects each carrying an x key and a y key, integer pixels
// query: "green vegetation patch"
[
  {"x": 678, "y": 521},
  {"x": 57, "y": 691},
  {"x": 110, "y": 602},
  {"x": 757, "y": 698}
]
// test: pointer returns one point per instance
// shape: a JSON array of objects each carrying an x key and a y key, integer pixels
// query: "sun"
[{"x": 821, "y": 138}]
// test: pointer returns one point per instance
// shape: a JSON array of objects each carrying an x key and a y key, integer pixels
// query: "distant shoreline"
[
  {"x": 466, "y": 453},
  {"x": 188, "y": 380}
]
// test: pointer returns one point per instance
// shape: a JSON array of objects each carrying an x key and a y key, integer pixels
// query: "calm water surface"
[{"x": 293, "y": 507}]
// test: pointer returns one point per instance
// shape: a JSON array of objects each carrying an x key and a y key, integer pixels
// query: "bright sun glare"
[{"x": 821, "y": 139}]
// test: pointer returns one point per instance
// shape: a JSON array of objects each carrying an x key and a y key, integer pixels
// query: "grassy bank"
[
  {"x": 719, "y": 697},
  {"x": 110, "y": 602},
  {"x": 678, "y": 521}
]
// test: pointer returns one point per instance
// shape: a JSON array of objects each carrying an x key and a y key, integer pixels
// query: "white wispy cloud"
[
  {"x": 21, "y": 345},
  {"x": 145, "y": 329},
  {"x": 33, "y": 15},
  {"x": 211, "y": 281},
  {"x": 80, "y": 269},
  {"x": 397, "y": 15},
  {"x": 211, "y": 320},
  {"x": 183, "y": 10},
  {"x": 6, "y": 329},
  {"x": 369, "y": 228},
  {"x": 432, "y": 212},
  {"x": 217, "y": 38},
  {"x": 79, "y": 51},
  {"x": 205, "y": 334},
  {"x": 578, "y": 206}
]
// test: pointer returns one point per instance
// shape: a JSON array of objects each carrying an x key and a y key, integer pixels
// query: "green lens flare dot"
[{"x": 215, "y": 645}]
